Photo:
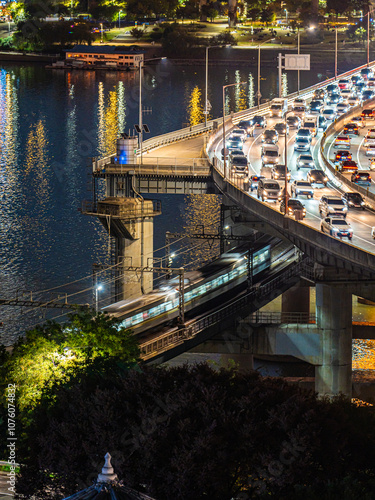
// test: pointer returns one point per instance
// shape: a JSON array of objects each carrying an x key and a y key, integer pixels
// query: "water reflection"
[
  {"x": 202, "y": 213},
  {"x": 195, "y": 107},
  {"x": 363, "y": 354}
]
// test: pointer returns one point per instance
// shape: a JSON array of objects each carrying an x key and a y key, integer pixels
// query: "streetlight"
[
  {"x": 224, "y": 87},
  {"x": 101, "y": 32},
  {"x": 368, "y": 35},
  {"x": 286, "y": 162},
  {"x": 259, "y": 95},
  {"x": 298, "y": 45},
  {"x": 97, "y": 290},
  {"x": 206, "y": 87},
  {"x": 286, "y": 16},
  {"x": 141, "y": 63},
  {"x": 119, "y": 19}
]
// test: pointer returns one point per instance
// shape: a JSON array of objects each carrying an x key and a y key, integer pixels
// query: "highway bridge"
[{"x": 189, "y": 161}]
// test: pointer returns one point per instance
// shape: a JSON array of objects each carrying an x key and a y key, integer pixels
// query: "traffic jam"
[{"x": 255, "y": 156}]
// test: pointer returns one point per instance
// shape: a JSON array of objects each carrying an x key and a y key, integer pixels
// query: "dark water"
[{"x": 51, "y": 123}]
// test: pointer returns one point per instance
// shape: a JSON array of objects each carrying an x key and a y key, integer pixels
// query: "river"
[{"x": 51, "y": 123}]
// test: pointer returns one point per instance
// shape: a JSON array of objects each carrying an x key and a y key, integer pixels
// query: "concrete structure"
[{"x": 114, "y": 56}]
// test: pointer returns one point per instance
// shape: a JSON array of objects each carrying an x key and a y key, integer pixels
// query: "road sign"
[{"x": 299, "y": 62}]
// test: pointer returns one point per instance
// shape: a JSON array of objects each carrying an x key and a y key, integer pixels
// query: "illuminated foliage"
[
  {"x": 195, "y": 107},
  {"x": 53, "y": 353}
]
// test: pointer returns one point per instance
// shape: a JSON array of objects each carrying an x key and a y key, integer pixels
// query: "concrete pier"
[{"x": 334, "y": 323}]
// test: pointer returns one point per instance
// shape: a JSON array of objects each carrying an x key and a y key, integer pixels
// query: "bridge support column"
[
  {"x": 334, "y": 323},
  {"x": 296, "y": 299}
]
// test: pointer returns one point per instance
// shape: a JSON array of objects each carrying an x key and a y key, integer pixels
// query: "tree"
[
  {"x": 136, "y": 33},
  {"x": 195, "y": 433},
  {"x": 51, "y": 354}
]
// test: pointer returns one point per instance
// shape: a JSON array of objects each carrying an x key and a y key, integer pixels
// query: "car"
[
  {"x": 253, "y": 181},
  {"x": 354, "y": 100},
  {"x": 293, "y": 121},
  {"x": 351, "y": 128},
  {"x": 316, "y": 176},
  {"x": 248, "y": 126},
  {"x": 333, "y": 87},
  {"x": 342, "y": 141},
  {"x": 270, "y": 136},
  {"x": 345, "y": 94},
  {"x": 302, "y": 144},
  {"x": 329, "y": 114},
  {"x": 334, "y": 99},
  {"x": 367, "y": 94},
  {"x": 235, "y": 152},
  {"x": 342, "y": 108},
  {"x": 270, "y": 154},
  {"x": 354, "y": 200},
  {"x": 348, "y": 166},
  {"x": 278, "y": 173},
  {"x": 369, "y": 138},
  {"x": 295, "y": 208},
  {"x": 342, "y": 155},
  {"x": 298, "y": 102},
  {"x": 316, "y": 106},
  {"x": 239, "y": 166},
  {"x": 234, "y": 143},
  {"x": 361, "y": 178},
  {"x": 360, "y": 87},
  {"x": 358, "y": 120},
  {"x": 322, "y": 122},
  {"x": 370, "y": 150},
  {"x": 302, "y": 188},
  {"x": 356, "y": 78},
  {"x": 320, "y": 94},
  {"x": 269, "y": 189},
  {"x": 344, "y": 84},
  {"x": 304, "y": 132},
  {"x": 238, "y": 132},
  {"x": 259, "y": 121},
  {"x": 299, "y": 111},
  {"x": 305, "y": 161},
  {"x": 332, "y": 205},
  {"x": 281, "y": 127},
  {"x": 336, "y": 227},
  {"x": 367, "y": 113},
  {"x": 367, "y": 73}
]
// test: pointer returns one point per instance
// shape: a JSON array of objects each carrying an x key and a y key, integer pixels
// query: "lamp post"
[
  {"x": 259, "y": 95},
  {"x": 286, "y": 17},
  {"x": 298, "y": 46},
  {"x": 224, "y": 87},
  {"x": 140, "y": 133},
  {"x": 119, "y": 17},
  {"x": 97, "y": 290},
  {"x": 368, "y": 35},
  {"x": 286, "y": 162},
  {"x": 101, "y": 32},
  {"x": 336, "y": 53}
]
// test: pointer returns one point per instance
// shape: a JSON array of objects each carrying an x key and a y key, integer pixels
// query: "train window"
[{"x": 138, "y": 318}]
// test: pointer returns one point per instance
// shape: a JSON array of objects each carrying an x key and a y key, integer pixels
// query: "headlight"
[
  {"x": 345, "y": 209},
  {"x": 325, "y": 179},
  {"x": 362, "y": 203}
]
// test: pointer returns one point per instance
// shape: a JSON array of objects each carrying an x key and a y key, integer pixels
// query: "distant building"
[{"x": 111, "y": 56}]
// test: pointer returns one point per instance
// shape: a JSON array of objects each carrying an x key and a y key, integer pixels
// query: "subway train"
[{"x": 200, "y": 287}]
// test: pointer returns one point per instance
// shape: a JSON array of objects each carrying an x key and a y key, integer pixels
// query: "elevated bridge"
[{"x": 340, "y": 269}]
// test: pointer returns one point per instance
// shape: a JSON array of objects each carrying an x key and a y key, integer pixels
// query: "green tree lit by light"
[
  {"x": 195, "y": 108},
  {"x": 53, "y": 353}
]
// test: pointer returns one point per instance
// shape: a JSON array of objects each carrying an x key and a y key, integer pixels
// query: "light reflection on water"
[{"x": 51, "y": 123}]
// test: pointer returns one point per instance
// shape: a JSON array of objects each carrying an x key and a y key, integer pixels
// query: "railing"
[
  {"x": 335, "y": 174},
  {"x": 193, "y": 131},
  {"x": 122, "y": 211},
  {"x": 267, "y": 318},
  {"x": 171, "y": 339},
  {"x": 158, "y": 166}
]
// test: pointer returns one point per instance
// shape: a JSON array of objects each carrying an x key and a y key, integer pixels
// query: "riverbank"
[{"x": 13, "y": 56}]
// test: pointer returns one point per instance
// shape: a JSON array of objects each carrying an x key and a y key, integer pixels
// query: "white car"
[
  {"x": 370, "y": 137},
  {"x": 239, "y": 132},
  {"x": 342, "y": 141},
  {"x": 342, "y": 107},
  {"x": 370, "y": 150},
  {"x": 354, "y": 100},
  {"x": 336, "y": 227},
  {"x": 329, "y": 114}
]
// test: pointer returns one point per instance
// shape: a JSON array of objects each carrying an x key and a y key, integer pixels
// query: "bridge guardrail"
[
  {"x": 158, "y": 165},
  {"x": 336, "y": 127},
  {"x": 189, "y": 132},
  {"x": 166, "y": 341}
]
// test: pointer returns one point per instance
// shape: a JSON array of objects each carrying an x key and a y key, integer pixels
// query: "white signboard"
[{"x": 295, "y": 61}]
